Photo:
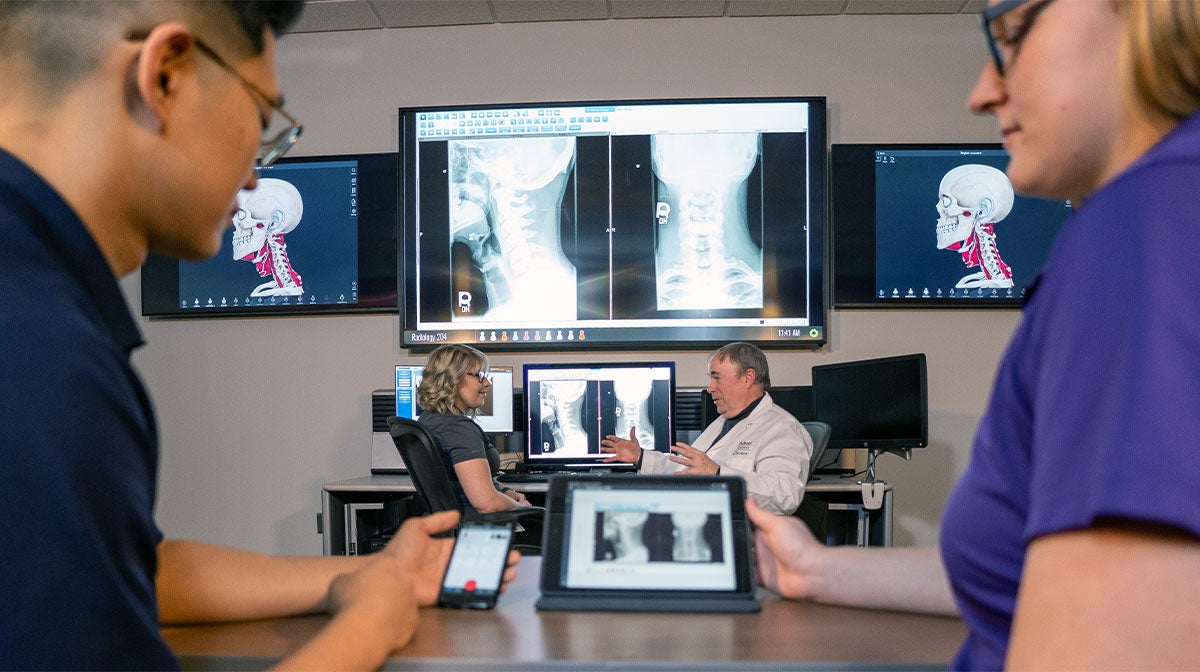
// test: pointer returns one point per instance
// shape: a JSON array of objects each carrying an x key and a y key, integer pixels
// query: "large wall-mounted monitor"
[
  {"x": 569, "y": 408},
  {"x": 615, "y": 224},
  {"x": 934, "y": 226},
  {"x": 317, "y": 236},
  {"x": 496, "y": 414},
  {"x": 873, "y": 404}
]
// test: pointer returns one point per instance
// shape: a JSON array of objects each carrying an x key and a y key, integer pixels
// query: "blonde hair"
[
  {"x": 443, "y": 377},
  {"x": 1161, "y": 48}
]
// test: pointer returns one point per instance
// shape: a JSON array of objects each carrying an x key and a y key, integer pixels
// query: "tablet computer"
[{"x": 647, "y": 543}]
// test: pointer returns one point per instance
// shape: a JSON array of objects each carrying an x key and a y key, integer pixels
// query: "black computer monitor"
[
  {"x": 569, "y": 408},
  {"x": 875, "y": 404},
  {"x": 795, "y": 399}
]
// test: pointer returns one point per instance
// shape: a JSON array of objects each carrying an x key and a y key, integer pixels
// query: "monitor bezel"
[{"x": 811, "y": 337}]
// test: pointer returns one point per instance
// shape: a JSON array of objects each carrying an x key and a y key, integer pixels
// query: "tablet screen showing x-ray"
[
  {"x": 631, "y": 534},
  {"x": 615, "y": 224}
]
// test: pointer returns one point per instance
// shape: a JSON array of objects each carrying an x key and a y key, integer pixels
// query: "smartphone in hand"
[{"x": 476, "y": 566}]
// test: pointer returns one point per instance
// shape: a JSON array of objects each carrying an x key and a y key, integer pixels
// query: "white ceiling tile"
[
  {"x": 903, "y": 6},
  {"x": 784, "y": 7},
  {"x": 329, "y": 15},
  {"x": 410, "y": 13},
  {"x": 659, "y": 9},
  {"x": 511, "y": 11}
]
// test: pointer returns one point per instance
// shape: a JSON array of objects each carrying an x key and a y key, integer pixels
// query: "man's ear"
[
  {"x": 752, "y": 375},
  {"x": 167, "y": 55}
]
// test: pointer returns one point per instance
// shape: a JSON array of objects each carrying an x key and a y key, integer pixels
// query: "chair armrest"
[{"x": 514, "y": 515}]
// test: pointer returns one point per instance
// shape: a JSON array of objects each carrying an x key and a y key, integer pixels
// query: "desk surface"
[{"x": 795, "y": 635}]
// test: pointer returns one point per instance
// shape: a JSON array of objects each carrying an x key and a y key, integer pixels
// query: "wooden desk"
[{"x": 791, "y": 635}]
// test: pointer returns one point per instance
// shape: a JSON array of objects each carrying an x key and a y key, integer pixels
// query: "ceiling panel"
[
  {"x": 335, "y": 15},
  {"x": 513, "y": 11},
  {"x": 909, "y": 6},
  {"x": 784, "y": 7},
  {"x": 412, "y": 13},
  {"x": 657, "y": 9}
]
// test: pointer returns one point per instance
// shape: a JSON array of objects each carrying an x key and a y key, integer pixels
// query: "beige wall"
[{"x": 255, "y": 414}]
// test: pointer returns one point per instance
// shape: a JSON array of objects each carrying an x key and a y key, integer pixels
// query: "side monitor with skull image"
[
  {"x": 317, "y": 236},
  {"x": 934, "y": 226}
]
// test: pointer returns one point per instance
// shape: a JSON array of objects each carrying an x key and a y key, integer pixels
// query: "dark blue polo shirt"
[{"x": 78, "y": 449}]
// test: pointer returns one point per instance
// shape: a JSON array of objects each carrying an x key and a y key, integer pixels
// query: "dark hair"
[
  {"x": 62, "y": 41},
  {"x": 256, "y": 15}
]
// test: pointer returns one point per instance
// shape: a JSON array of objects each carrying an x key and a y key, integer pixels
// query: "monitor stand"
[{"x": 873, "y": 489}]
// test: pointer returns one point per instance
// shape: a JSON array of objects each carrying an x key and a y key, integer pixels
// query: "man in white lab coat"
[{"x": 753, "y": 438}]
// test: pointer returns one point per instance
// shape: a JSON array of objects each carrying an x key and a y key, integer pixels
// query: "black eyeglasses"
[
  {"x": 480, "y": 375},
  {"x": 274, "y": 144},
  {"x": 1002, "y": 43}
]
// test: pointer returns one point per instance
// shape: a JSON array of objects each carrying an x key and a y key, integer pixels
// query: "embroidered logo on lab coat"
[{"x": 743, "y": 448}]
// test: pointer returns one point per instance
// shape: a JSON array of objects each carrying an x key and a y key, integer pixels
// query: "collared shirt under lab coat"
[{"x": 770, "y": 449}]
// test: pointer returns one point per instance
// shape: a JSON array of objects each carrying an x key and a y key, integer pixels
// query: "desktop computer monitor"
[
  {"x": 569, "y": 408},
  {"x": 496, "y": 414},
  {"x": 873, "y": 404}
]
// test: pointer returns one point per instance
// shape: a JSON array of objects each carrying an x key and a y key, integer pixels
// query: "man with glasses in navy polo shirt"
[{"x": 127, "y": 127}]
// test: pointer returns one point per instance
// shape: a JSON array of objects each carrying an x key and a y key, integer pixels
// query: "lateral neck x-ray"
[
  {"x": 563, "y": 418},
  {"x": 505, "y": 196}
]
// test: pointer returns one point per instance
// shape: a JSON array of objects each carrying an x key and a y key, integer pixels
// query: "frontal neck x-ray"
[
  {"x": 633, "y": 409},
  {"x": 505, "y": 204},
  {"x": 690, "y": 545},
  {"x": 704, "y": 254},
  {"x": 272, "y": 210},
  {"x": 972, "y": 198}
]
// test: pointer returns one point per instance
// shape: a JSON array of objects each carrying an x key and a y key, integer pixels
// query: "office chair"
[
  {"x": 819, "y": 431},
  {"x": 422, "y": 457}
]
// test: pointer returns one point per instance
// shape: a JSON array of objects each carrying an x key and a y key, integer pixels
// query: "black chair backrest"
[
  {"x": 423, "y": 459},
  {"x": 819, "y": 431}
]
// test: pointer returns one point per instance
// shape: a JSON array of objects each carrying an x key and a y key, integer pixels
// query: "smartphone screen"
[{"x": 476, "y": 566}]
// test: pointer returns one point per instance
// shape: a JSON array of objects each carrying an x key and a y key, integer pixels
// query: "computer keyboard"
[
  {"x": 544, "y": 476},
  {"x": 531, "y": 476}
]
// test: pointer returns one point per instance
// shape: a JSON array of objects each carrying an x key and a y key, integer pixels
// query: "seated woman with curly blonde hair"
[{"x": 453, "y": 387}]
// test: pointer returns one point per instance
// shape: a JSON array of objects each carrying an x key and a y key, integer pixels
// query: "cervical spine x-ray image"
[
  {"x": 637, "y": 537},
  {"x": 632, "y": 409},
  {"x": 264, "y": 216},
  {"x": 705, "y": 257},
  {"x": 565, "y": 418},
  {"x": 505, "y": 204}
]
